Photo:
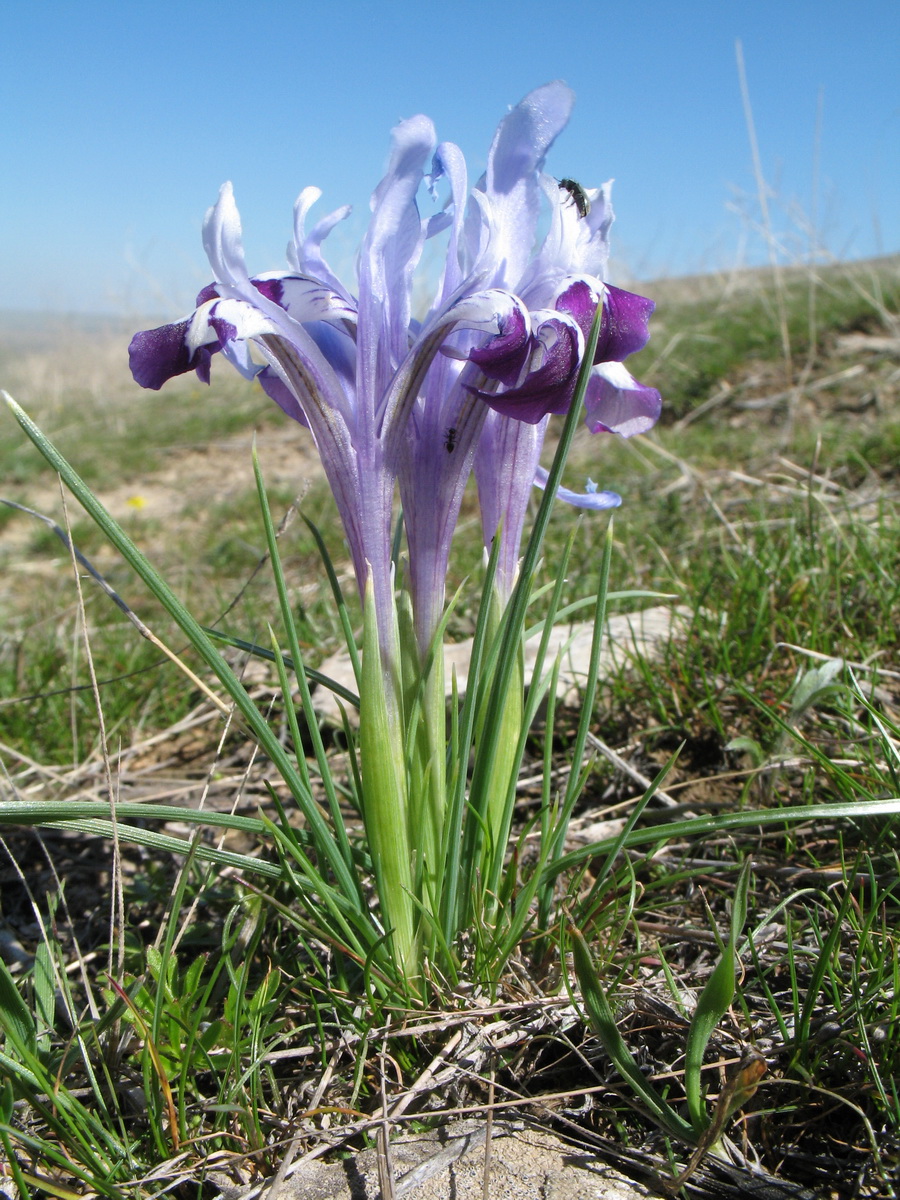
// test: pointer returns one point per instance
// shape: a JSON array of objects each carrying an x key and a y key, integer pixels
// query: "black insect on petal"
[{"x": 578, "y": 194}]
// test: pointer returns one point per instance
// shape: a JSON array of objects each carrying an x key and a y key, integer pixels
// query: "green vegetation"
[
  {"x": 711, "y": 332},
  {"x": 168, "y": 1015}
]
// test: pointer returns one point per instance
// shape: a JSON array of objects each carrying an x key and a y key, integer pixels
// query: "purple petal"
[
  {"x": 625, "y": 325},
  {"x": 555, "y": 350},
  {"x": 272, "y": 288},
  {"x": 210, "y": 292},
  {"x": 625, "y": 318},
  {"x": 224, "y": 329},
  {"x": 617, "y": 403},
  {"x": 157, "y": 355},
  {"x": 503, "y": 356},
  {"x": 275, "y": 387},
  {"x": 580, "y": 300}
]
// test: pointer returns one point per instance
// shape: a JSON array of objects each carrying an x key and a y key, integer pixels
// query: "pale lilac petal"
[
  {"x": 582, "y": 244},
  {"x": 302, "y": 205},
  {"x": 505, "y": 466},
  {"x": 448, "y": 163},
  {"x": 512, "y": 182},
  {"x": 275, "y": 387},
  {"x": 222, "y": 240},
  {"x": 591, "y": 253},
  {"x": 590, "y": 498},
  {"x": 617, "y": 403},
  {"x": 305, "y": 251},
  {"x": 389, "y": 255}
]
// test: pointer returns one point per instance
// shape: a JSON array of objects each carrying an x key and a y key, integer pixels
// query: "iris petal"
[
  {"x": 158, "y": 355},
  {"x": 546, "y": 373},
  {"x": 617, "y": 403},
  {"x": 590, "y": 498},
  {"x": 625, "y": 328}
]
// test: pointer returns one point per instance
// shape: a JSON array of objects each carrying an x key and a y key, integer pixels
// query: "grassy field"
[{"x": 164, "y": 1011}]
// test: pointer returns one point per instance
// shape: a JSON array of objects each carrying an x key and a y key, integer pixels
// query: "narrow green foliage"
[
  {"x": 460, "y": 835},
  {"x": 337, "y": 834},
  {"x": 268, "y": 655},
  {"x": 712, "y": 1005},
  {"x": 16, "y": 1018},
  {"x": 604, "y": 1024},
  {"x": 199, "y": 641}
]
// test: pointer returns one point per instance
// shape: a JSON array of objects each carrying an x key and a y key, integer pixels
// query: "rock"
[{"x": 524, "y": 1164}]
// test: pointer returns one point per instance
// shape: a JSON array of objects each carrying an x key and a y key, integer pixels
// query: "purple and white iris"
[{"x": 394, "y": 401}]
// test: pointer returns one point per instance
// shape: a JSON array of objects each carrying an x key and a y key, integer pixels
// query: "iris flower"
[
  {"x": 391, "y": 400},
  {"x": 416, "y": 404}
]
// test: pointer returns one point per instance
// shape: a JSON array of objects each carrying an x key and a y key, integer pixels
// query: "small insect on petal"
[
  {"x": 450, "y": 440},
  {"x": 578, "y": 194}
]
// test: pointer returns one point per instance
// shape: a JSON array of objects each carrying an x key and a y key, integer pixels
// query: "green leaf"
[
  {"x": 813, "y": 685},
  {"x": 601, "y": 1017},
  {"x": 44, "y": 991},
  {"x": 712, "y": 1005},
  {"x": 747, "y": 745},
  {"x": 269, "y": 656},
  {"x": 7, "y": 1100},
  {"x": 15, "y": 1018},
  {"x": 721, "y": 822}
]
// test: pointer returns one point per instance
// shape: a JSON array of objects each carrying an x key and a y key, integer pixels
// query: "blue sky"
[{"x": 120, "y": 121}]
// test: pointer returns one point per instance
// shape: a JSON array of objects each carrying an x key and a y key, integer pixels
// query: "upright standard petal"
[
  {"x": 222, "y": 240},
  {"x": 512, "y": 183},
  {"x": 388, "y": 257}
]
